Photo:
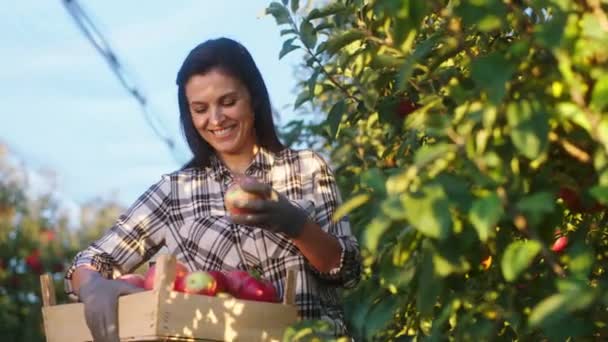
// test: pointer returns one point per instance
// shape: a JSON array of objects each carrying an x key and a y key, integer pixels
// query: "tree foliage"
[
  {"x": 468, "y": 138},
  {"x": 36, "y": 237}
]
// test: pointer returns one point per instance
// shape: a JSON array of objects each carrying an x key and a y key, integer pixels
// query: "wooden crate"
[{"x": 165, "y": 315}]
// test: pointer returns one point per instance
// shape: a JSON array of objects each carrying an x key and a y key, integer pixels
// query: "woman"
[{"x": 226, "y": 117}]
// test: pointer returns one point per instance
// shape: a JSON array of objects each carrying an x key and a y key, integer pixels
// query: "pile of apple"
[{"x": 239, "y": 284}]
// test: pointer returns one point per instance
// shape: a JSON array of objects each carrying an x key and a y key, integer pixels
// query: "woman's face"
[{"x": 222, "y": 113}]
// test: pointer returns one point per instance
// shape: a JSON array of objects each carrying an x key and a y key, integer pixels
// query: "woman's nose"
[{"x": 216, "y": 116}]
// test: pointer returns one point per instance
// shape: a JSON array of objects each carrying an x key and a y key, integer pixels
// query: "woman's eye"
[
  {"x": 200, "y": 110},
  {"x": 228, "y": 102}
]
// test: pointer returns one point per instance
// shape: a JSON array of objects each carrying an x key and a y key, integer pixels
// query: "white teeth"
[{"x": 222, "y": 132}]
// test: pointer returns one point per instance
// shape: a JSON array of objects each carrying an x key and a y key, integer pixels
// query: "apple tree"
[
  {"x": 36, "y": 237},
  {"x": 470, "y": 142}
]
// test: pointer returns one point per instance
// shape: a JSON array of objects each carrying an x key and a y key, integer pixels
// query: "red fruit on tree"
[
  {"x": 178, "y": 284},
  {"x": 560, "y": 244},
  {"x": 200, "y": 282},
  {"x": 33, "y": 262},
  {"x": 405, "y": 107},
  {"x": 134, "y": 279},
  {"x": 571, "y": 198}
]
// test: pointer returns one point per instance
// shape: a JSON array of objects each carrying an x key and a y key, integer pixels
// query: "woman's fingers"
[
  {"x": 249, "y": 219},
  {"x": 253, "y": 205},
  {"x": 256, "y": 187}
]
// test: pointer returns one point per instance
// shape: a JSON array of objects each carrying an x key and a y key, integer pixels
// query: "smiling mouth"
[{"x": 223, "y": 131}]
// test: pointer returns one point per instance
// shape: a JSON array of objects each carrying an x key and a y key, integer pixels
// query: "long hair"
[{"x": 232, "y": 58}]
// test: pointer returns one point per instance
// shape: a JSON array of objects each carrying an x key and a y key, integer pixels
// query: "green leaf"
[
  {"x": 335, "y": 43},
  {"x": 308, "y": 34},
  {"x": 379, "y": 316},
  {"x": 288, "y": 47},
  {"x": 421, "y": 51},
  {"x": 428, "y": 211},
  {"x": 429, "y": 286},
  {"x": 375, "y": 179},
  {"x": 487, "y": 15},
  {"x": 374, "y": 231},
  {"x": 491, "y": 73},
  {"x": 393, "y": 208},
  {"x": 445, "y": 266},
  {"x": 529, "y": 128},
  {"x": 517, "y": 257},
  {"x": 335, "y": 117},
  {"x": 551, "y": 31},
  {"x": 302, "y": 97},
  {"x": 549, "y": 309},
  {"x": 429, "y": 153},
  {"x": 600, "y": 193},
  {"x": 332, "y": 8},
  {"x": 350, "y": 205},
  {"x": 288, "y": 31},
  {"x": 279, "y": 12},
  {"x": 485, "y": 214},
  {"x": 599, "y": 97},
  {"x": 539, "y": 202},
  {"x": 295, "y": 4}
]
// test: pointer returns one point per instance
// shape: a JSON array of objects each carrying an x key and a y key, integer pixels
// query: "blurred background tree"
[{"x": 36, "y": 237}]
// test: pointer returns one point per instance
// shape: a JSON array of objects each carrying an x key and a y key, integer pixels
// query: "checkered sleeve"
[
  {"x": 134, "y": 238},
  {"x": 327, "y": 199}
]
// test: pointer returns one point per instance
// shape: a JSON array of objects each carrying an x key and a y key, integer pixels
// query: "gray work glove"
[
  {"x": 276, "y": 213},
  {"x": 100, "y": 298}
]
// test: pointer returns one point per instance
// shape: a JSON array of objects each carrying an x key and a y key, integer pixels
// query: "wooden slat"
[
  {"x": 289, "y": 296},
  {"x": 47, "y": 288}
]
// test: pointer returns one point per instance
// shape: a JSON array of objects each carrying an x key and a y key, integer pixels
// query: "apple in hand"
[
  {"x": 200, "y": 282},
  {"x": 178, "y": 284},
  {"x": 134, "y": 279},
  {"x": 236, "y": 193}
]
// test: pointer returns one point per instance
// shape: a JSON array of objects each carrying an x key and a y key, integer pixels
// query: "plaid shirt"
[{"x": 185, "y": 213}]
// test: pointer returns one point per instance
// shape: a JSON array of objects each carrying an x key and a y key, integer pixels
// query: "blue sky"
[{"x": 63, "y": 110}]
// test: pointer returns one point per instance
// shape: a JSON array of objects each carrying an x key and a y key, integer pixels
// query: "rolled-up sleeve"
[
  {"x": 134, "y": 238},
  {"x": 327, "y": 199}
]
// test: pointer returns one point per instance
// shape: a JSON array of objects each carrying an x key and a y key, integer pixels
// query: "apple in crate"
[
  {"x": 134, "y": 279},
  {"x": 200, "y": 282},
  {"x": 178, "y": 284},
  {"x": 257, "y": 289}
]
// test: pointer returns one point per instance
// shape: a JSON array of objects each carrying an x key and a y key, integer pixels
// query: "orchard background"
[{"x": 470, "y": 142}]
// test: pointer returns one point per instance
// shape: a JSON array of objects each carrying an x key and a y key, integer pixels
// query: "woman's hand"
[
  {"x": 100, "y": 298},
  {"x": 271, "y": 210}
]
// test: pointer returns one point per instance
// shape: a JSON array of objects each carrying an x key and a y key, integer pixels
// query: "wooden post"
[
  {"x": 289, "y": 297},
  {"x": 164, "y": 274},
  {"x": 47, "y": 288}
]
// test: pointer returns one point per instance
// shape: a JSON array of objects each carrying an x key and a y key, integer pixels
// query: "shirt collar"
[{"x": 262, "y": 163}]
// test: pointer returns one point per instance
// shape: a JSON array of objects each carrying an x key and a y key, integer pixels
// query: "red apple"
[
  {"x": 571, "y": 198},
  {"x": 236, "y": 193},
  {"x": 405, "y": 107},
  {"x": 180, "y": 273},
  {"x": 33, "y": 261},
  {"x": 560, "y": 244},
  {"x": 258, "y": 290},
  {"x": 200, "y": 282},
  {"x": 134, "y": 279},
  {"x": 220, "y": 280},
  {"x": 234, "y": 280}
]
